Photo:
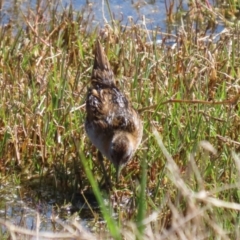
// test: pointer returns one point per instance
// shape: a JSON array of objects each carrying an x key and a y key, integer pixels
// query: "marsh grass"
[{"x": 184, "y": 186}]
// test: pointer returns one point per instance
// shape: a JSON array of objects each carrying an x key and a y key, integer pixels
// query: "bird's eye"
[{"x": 125, "y": 160}]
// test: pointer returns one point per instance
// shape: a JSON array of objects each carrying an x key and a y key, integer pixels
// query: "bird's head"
[{"x": 121, "y": 151}]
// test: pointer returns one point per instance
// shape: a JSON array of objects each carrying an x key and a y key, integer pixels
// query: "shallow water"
[
  {"x": 153, "y": 10},
  {"x": 149, "y": 12},
  {"x": 38, "y": 207}
]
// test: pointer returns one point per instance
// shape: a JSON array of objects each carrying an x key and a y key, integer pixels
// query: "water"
[
  {"x": 149, "y": 14},
  {"x": 41, "y": 207},
  {"x": 154, "y": 11}
]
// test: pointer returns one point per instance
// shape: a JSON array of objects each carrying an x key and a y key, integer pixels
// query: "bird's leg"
[{"x": 107, "y": 179}]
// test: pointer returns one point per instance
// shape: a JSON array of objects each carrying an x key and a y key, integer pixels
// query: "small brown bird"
[{"x": 112, "y": 124}]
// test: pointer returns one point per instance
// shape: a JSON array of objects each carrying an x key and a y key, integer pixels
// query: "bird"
[{"x": 113, "y": 126}]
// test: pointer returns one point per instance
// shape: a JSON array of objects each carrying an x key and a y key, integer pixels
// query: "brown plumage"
[{"x": 112, "y": 125}]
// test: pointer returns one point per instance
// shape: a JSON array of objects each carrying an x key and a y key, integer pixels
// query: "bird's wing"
[{"x": 110, "y": 110}]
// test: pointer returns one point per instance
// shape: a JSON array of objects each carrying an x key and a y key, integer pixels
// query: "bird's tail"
[{"x": 102, "y": 73}]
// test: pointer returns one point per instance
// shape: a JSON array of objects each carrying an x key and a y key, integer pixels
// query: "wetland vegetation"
[{"x": 183, "y": 182}]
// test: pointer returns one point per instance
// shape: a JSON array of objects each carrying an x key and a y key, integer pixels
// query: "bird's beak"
[{"x": 118, "y": 171}]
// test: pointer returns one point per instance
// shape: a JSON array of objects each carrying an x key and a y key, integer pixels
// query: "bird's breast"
[{"x": 99, "y": 138}]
